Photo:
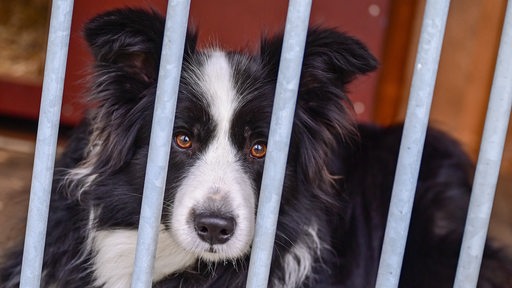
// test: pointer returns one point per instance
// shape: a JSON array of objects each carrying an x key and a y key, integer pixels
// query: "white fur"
[
  {"x": 89, "y": 242},
  {"x": 115, "y": 254},
  {"x": 298, "y": 262},
  {"x": 81, "y": 177},
  {"x": 217, "y": 176},
  {"x": 220, "y": 90}
]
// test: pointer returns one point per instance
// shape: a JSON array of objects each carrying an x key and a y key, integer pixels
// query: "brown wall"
[{"x": 465, "y": 71}]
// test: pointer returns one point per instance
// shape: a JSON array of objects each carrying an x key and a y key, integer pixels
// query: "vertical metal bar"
[
  {"x": 46, "y": 143},
  {"x": 413, "y": 138},
  {"x": 488, "y": 165},
  {"x": 290, "y": 65},
  {"x": 160, "y": 141}
]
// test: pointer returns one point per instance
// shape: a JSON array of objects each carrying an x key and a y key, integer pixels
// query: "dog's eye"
[
  {"x": 183, "y": 141},
  {"x": 259, "y": 150}
]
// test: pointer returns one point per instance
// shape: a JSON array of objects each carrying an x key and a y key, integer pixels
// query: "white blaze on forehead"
[
  {"x": 219, "y": 160},
  {"x": 218, "y": 88}
]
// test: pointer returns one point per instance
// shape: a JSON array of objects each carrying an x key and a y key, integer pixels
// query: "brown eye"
[
  {"x": 183, "y": 141},
  {"x": 258, "y": 150}
]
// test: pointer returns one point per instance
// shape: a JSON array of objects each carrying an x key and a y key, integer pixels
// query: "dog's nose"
[{"x": 214, "y": 229}]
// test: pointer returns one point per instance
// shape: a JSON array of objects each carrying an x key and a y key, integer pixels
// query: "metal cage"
[{"x": 431, "y": 38}]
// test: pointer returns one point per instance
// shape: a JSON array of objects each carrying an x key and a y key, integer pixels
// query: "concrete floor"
[
  {"x": 15, "y": 171},
  {"x": 16, "y": 158},
  {"x": 17, "y": 145}
]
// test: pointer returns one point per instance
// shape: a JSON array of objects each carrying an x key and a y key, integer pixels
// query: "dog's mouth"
[{"x": 212, "y": 251}]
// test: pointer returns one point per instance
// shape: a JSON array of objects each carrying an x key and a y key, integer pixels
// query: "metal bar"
[
  {"x": 46, "y": 142},
  {"x": 160, "y": 141},
  {"x": 488, "y": 165},
  {"x": 413, "y": 138},
  {"x": 290, "y": 65}
]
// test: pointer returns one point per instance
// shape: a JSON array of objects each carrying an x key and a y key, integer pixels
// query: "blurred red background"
[{"x": 231, "y": 24}]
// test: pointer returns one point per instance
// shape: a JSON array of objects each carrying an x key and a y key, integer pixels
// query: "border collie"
[{"x": 338, "y": 177}]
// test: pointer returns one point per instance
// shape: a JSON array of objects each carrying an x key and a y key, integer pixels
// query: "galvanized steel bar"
[
  {"x": 160, "y": 141},
  {"x": 489, "y": 161},
  {"x": 46, "y": 143},
  {"x": 279, "y": 140},
  {"x": 413, "y": 138}
]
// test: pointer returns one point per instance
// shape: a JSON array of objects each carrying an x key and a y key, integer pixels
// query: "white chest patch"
[{"x": 115, "y": 254}]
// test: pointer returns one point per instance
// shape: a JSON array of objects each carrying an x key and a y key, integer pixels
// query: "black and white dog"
[{"x": 337, "y": 187}]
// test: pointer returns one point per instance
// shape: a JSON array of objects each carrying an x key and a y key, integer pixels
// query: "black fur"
[{"x": 339, "y": 174}]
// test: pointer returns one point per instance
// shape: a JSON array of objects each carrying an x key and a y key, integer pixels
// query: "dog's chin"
[
  {"x": 230, "y": 251},
  {"x": 215, "y": 256}
]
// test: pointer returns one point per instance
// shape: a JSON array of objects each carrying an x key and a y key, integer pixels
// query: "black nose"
[{"x": 214, "y": 229}]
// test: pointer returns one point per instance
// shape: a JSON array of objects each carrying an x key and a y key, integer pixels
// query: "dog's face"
[
  {"x": 217, "y": 156},
  {"x": 220, "y": 132}
]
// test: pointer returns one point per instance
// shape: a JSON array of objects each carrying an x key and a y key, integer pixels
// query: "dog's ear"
[
  {"x": 329, "y": 57},
  {"x": 130, "y": 39},
  {"x": 126, "y": 45},
  {"x": 323, "y": 119}
]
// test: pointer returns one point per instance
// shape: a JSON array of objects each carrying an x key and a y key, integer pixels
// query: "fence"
[{"x": 411, "y": 148}]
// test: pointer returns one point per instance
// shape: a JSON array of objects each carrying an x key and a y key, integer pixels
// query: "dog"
[{"x": 337, "y": 185}]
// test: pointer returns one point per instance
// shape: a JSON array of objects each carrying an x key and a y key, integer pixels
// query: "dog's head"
[{"x": 221, "y": 128}]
